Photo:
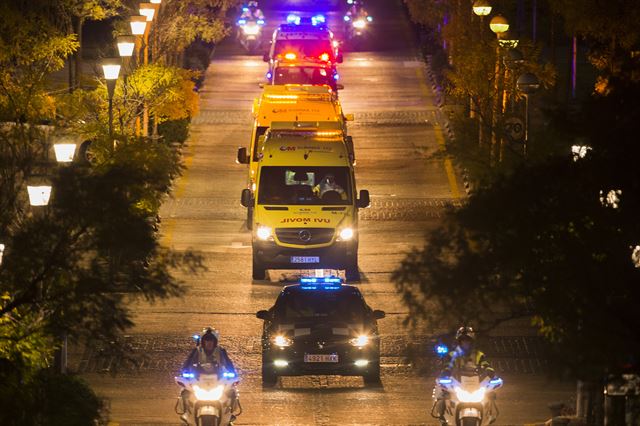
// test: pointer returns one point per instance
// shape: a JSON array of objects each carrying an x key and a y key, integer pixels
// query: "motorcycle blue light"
[
  {"x": 242, "y": 21},
  {"x": 346, "y": 18},
  {"x": 369, "y": 18},
  {"x": 496, "y": 381},
  {"x": 196, "y": 337},
  {"x": 260, "y": 21},
  {"x": 229, "y": 375},
  {"x": 442, "y": 349},
  {"x": 445, "y": 381},
  {"x": 188, "y": 375},
  {"x": 336, "y": 77},
  {"x": 245, "y": 9}
]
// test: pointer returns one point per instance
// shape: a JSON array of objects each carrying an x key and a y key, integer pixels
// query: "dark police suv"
[{"x": 320, "y": 326}]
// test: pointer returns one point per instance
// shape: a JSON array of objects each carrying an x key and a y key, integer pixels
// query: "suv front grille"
[{"x": 305, "y": 236}]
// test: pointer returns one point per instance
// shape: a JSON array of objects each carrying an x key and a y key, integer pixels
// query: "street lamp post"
[
  {"x": 528, "y": 84},
  {"x": 111, "y": 69},
  {"x": 481, "y": 8},
  {"x": 498, "y": 25},
  {"x": 126, "y": 46},
  {"x": 148, "y": 10}
]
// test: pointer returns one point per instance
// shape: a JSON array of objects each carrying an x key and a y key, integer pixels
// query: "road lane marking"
[{"x": 448, "y": 164}]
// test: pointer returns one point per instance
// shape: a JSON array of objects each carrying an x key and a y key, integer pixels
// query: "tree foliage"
[
  {"x": 30, "y": 50},
  {"x": 544, "y": 243}
]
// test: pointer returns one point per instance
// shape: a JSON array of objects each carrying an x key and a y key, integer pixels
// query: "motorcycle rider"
[
  {"x": 251, "y": 11},
  {"x": 464, "y": 358},
  {"x": 209, "y": 358}
]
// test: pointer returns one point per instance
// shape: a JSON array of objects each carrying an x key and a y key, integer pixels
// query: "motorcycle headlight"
[
  {"x": 264, "y": 233},
  {"x": 466, "y": 396},
  {"x": 359, "y": 24},
  {"x": 360, "y": 341},
  {"x": 251, "y": 29},
  {"x": 282, "y": 341},
  {"x": 345, "y": 234},
  {"x": 203, "y": 394}
]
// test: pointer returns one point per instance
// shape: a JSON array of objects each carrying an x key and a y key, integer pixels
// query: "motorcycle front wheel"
[
  {"x": 470, "y": 421},
  {"x": 209, "y": 421}
]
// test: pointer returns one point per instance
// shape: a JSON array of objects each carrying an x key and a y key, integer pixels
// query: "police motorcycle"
[
  {"x": 212, "y": 397},
  {"x": 357, "y": 25},
  {"x": 250, "y": 34},
  {"x": 469, "y": 399}
]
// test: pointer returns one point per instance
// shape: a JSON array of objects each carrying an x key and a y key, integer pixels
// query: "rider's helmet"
[
  {"x": 209, "y": 334},
  {"x": 252, "y": 4},
  {"x": 465, "y": 332}
]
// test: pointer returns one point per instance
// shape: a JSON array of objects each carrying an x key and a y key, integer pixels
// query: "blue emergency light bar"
[
  {"x": 320, "y": 283},
  {"x": 196, "y": 337},
  {"x": 496, "y": 381},
  {"x": 187, "y": 375},
  {"x": 318, "y": 19},
  {"x": 293, "y": 19},
  {"x": 444, "y": 381},
  {"x": 229, "y": 375}
]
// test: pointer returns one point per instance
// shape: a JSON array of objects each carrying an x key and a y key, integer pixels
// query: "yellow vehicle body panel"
[{"x": 290, "y": 103}]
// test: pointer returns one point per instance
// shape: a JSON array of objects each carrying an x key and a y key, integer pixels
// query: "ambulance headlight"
[
  {"x": 264, "y": 233},
  {"x": 345, "y": 234},
  {"x": 282, "y": 341}
]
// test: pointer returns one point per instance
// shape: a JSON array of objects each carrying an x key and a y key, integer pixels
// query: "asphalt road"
[{"x": 397, "y": 129}]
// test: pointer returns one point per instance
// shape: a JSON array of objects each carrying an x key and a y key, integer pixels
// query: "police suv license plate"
[
  {"x": 305, "y": 259},
  {"x": 321, "y": 358}
]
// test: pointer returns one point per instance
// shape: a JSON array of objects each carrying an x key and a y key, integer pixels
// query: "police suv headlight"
[
  {"x": 282, "y": 341},
  {"x": 360, "y": 341},
  {"x": 345, "y": 234},
  {"x": 203, "y": 394},
  {"x": 264, "y": 233}
]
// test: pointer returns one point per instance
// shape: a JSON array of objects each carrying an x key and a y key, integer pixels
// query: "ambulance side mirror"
[
  {"x": 266, "y": 57},
  {"x": 340, "y": 86},
  {"x": 261, "y": 85},
  {"x": 263, "y": 315},
  {"x": 339, "y": 58},
  {"x": 364, "y": 201},
  {"x": 349, "y": 117},
  {"x": 242, "y": 158},
  {"x": 246, "y": 199}
]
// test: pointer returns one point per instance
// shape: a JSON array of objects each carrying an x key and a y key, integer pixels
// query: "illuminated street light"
[
  {"x": 499, "y": 24},
  {"x": 138, "y": 24},
  {"x": 39, "y": 195},
  {"x": 156, "y": 1},
  {"x": 126, "y": 45},
  {"x": 148, "y": 10},
  {"x": 111, "y": 68},
  {"x": 482, "y": 7},
  {"x": 64, "y": 152}
]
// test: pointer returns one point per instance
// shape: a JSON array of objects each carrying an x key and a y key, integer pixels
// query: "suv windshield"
[
  {"x": 303, "y": 48},
  {"x": 304, "y": 186},
  {"x": 323, "y": 304},
  {"x": 302, "y": 75}
]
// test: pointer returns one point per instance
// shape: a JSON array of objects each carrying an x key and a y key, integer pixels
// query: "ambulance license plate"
[
  {"x": 321, "y": 358},
  {"x": 305, "y": 259}
]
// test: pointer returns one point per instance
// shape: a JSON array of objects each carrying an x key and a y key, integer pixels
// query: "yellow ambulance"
[
  {"x": 290, "y": 103},
  {"x": 305, "y": 203}
]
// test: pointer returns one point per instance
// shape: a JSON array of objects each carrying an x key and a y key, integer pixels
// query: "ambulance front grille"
[{"x": 304, "y": 236}]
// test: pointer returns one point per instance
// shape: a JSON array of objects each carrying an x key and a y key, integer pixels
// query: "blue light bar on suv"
[{"x": 321, "y": 283}]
